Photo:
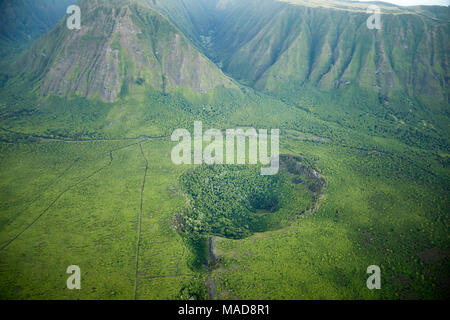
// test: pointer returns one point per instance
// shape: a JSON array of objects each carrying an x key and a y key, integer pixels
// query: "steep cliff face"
[
  {"x": 268, "y": 44},
  {"x": 120, "y": 46},
  {"x": 272, "y": 45}
]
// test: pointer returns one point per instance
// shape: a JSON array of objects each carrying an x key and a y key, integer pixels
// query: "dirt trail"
[
  {"x": 99, "y": 140},
  {"x": 43, "y": 138},
  {"x": 139, "y": 223},
  {"x": 211, "y": 285}
]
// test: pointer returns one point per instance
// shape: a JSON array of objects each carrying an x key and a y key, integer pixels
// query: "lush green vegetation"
[
  {"x": 375, "y": 212},
  {"x": 69, "y": 202},
  {"x": 228, "y": 201},
  {"x": 364, "y": 173},
  {"x": 236, "y": 201}
]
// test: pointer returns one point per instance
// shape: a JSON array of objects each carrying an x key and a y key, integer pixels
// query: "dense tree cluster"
[{"x": 226, "y": 200}]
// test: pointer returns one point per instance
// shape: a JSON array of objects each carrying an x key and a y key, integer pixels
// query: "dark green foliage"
[
  {"x": 198, "y": 247},
  {"x": 225, "y": 199},
  {"x": 193, "y": 290},
  {"x": 236, "y": 201}
]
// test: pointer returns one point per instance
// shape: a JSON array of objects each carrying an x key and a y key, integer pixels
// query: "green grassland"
[
  {"x": 73, "y": 192},
  {"x": 383, "y": 217},
  {"x": 67, "y": 203}
]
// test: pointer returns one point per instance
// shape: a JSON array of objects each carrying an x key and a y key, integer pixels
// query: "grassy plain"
[
  {"x": 80, "y": 204},
  {"x": 66, "y": 203}
]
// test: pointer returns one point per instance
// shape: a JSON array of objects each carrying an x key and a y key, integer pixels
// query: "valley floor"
[{"x": 109, "y": 207}]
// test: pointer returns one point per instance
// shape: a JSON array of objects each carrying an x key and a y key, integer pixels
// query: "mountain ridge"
[
  {"x": 282, "y": 45},
  {"x": 323, "y": 61},
  {"x": 120, "y": 46}
]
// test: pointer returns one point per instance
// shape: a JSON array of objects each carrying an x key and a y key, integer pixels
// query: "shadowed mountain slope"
[{"x": 23, "y": 21}]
